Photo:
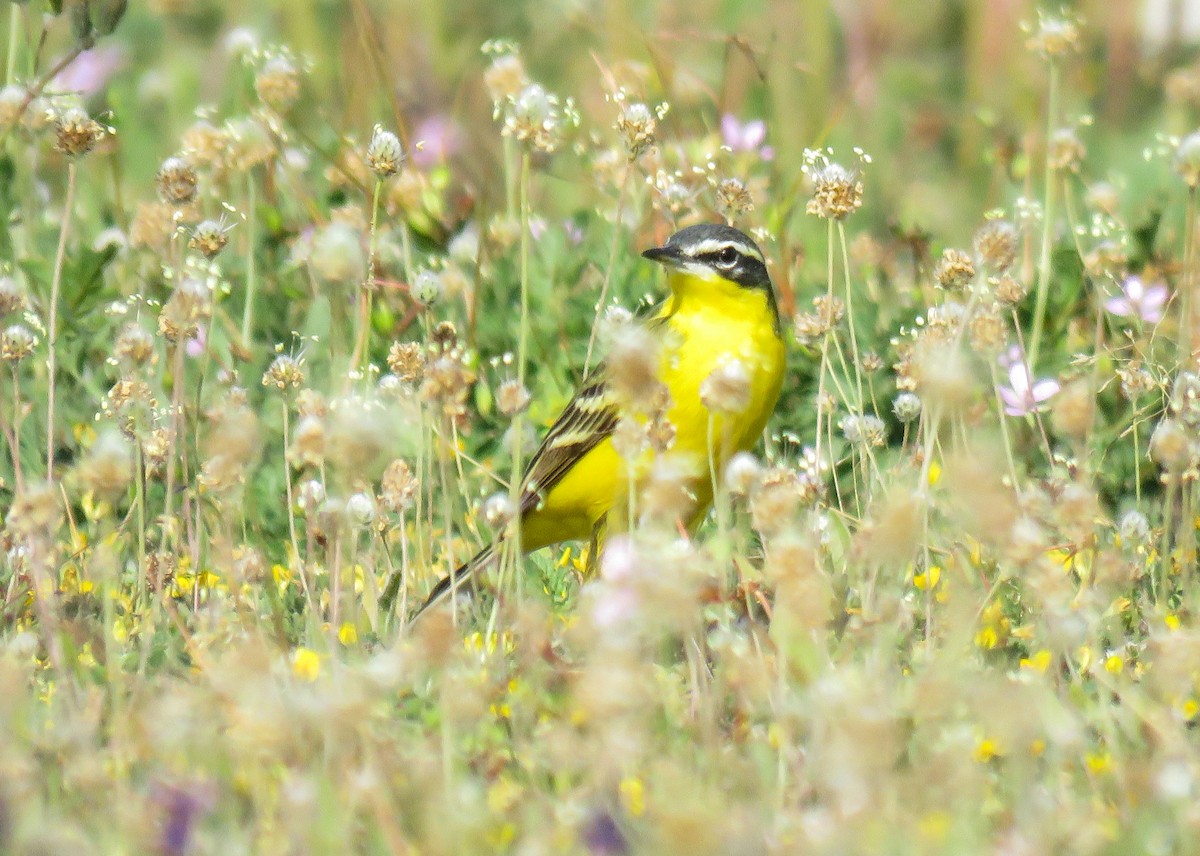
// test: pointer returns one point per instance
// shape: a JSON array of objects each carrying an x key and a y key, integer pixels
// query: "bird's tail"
[{"x": 461, "y": 575}]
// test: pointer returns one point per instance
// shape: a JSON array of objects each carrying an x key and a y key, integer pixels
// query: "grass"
[{"x": 948, "y": 606}]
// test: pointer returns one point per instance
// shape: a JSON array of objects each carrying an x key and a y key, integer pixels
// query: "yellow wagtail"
[{"x": 721, "y": 311}]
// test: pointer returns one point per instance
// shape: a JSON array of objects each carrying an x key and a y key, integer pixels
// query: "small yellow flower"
[
  {"x": 1113, "y": 664},
  {"x": 1189, "y": 708},
  {"x": 1171, "y": 620},
  {"x": 347, "y": 634},
  {"x": 1037, "y": 748},
  {"x": 986, "y": 750},
  {"x": 1098, "y": 762},
  {"x": 1039, "y": 662},
  {"x": 929, "y": 579},
  {"x": 986, "y": 638},
  {"x": 633, "y": 796},
  {"x": 306, "y": 664},
  {"x": 935, "y": 473}
]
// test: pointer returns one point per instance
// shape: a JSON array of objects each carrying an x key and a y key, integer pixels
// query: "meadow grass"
[{"x": 289, "y": 292}]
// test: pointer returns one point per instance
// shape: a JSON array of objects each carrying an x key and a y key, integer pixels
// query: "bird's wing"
[{"x": 586, "y": 422}]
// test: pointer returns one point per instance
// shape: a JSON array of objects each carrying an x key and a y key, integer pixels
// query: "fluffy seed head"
[
  {"x": 1054, "y": 36},
  {"x": 208, "y": 238},
  {"x": 1133, "y": 527},
  {"x": 498, "y": 509},
  {"x": 734, "y": 198},
  {"x": 284, "y": 373},
  {"x": 426, "y": 288},
  {"x": 512, "y": 397},
  {"x": 278, "y": 83},
  {"x": 135, "y": 346},
  {"x": 1073, "y": 410},
  {"x": 337, "y": 254},
  {"x": 12, "y": 298},
  {"x": 727, "y": 387},
  {"x": 360, "y": 509},
  {"x": 16, "y": 343},
  {"x": 1170, "y": 446},
  {"x": 837, "y": 192},
  {"x": 1009, "y": 290},
  {"x": 907, "y": 407},
  {"x": 108, "y": 467},
  {"x": 637, "y": 125},
  {"x": 742, "y": 473},
  {"x": 384, "y": 153},
  {"x": 865, "y": 430}
]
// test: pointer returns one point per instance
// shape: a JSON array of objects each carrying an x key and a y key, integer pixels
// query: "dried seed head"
[
  {"x": 247, "y": 144},
  {"x": 12, "y": 102},
  {"x": 1135, "y": 380},
  {"x": 232, "y": 446},
  {"x": 12, "y": 297},
  {"x": 734, "y": 199},
  {"x": 1009, "y": 290},
  {"x": 108, "y": 467},
  {"x": 407, "y": 361},
  {"x": 1055, "y": 36},
  {"x": 308, "y": 442},
  {"x": 359, "y": 433},
  {"x": 1171, "y": 447},
  {"x": 837, "y": 192},
  {"x": 16, "y": 343},
  {"x": 775, "y": 500},
  {"x": 444, "y": 337},
  {"x": 278, "y": 83},
  {"x": 284, "y": 373},
  {"x": 870, "y": 362},
  {"x": 309, "y": 402},
  {"x": 77, "y": 133},
  {"x": 727, "y": 387},
  {"x": 1065, "y": 151},
  {"x": 534, "y": 117},
  {"x": 337, "y": 255},
  {"x": 633, "y": 358},
  {"x": 512, "y": 397},
  {"x": 505, "y": 78},
  {"x": 637, "y": 125},
  {"x": 208, "y": 238},
  {"x": 955, "y": 270},
  {"x": 135, "y": 346},
  {"x": 995, "y": 245},
  {"x": 399, "y": 486},
  {"x": 189, "y": 304},
  {"x": 177, "y": 181},
  {"x": 36, "y": 511},
  {"x": 204, "y": 143},
  {"x": 988, "y": 331},
  {"x": 907, "y": 407},
  {"x": 153, "y": 226},
  {"x": 1073, "y": 411},
  {"x": 384, "y": 153}
]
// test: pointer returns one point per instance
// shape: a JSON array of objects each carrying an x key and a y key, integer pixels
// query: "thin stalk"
[
  {"x": 251, "y": 262},
  {"x": 362, "y": 344},
  {"x": 612, "y": 260},
  {"x": 1187, "y": 306},
  {"x": 1048, "y": 212},
  {"x": 52, "y": 332},
  {"x": 14, "y": 43},
  {"x": 854, "y": 353}
]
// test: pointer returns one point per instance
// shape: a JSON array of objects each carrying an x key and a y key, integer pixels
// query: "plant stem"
[
  {"x": 52, "y": 331},
  {"x": 1048, "y": 212},
  {"x": 612, "y": 260},
  {"x": 251, "y": 263}
]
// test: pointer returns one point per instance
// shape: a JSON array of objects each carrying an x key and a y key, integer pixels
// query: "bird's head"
[{"x": 711, "y": 251}]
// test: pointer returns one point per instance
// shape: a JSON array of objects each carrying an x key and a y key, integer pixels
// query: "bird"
[{"x": 721, "y": 309}]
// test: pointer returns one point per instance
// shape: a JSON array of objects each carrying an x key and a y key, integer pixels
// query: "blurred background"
[{"x": 941, "y": 94}]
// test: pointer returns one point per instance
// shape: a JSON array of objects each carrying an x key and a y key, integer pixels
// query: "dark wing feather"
[{"x": 587, "y": 421}]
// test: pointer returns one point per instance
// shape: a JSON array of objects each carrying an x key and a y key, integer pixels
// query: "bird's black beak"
[{"x": 664, "y": 255}]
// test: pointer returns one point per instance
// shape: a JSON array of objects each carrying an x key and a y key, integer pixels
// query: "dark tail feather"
[{"x": 458, "y": 579}]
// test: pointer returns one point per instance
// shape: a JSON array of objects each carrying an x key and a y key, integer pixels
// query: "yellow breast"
[{"x": 706, "y": 323}]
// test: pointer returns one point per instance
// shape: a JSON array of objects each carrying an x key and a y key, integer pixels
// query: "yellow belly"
[{"x": 701, "y": 335}]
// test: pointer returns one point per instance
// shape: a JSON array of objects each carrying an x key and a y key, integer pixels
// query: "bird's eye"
[{"x": 727, "y": 257}]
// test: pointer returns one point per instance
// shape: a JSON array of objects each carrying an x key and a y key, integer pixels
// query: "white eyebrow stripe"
[{"x": 712, "y": 245}]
